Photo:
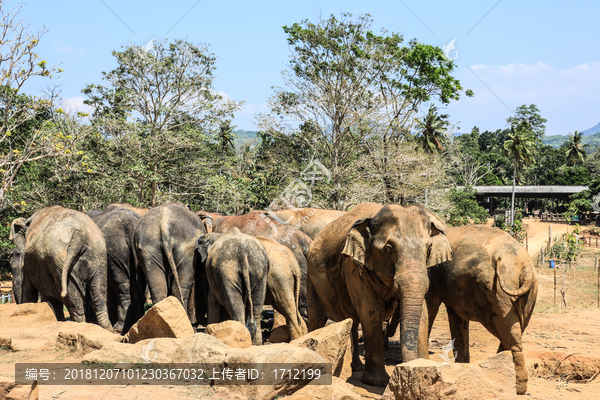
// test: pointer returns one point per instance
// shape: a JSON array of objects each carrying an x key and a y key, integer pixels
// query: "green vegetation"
[{"x": 356, "y": 121}]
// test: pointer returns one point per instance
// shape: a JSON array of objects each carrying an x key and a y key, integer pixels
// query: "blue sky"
[{"x": 508, "y": 52}]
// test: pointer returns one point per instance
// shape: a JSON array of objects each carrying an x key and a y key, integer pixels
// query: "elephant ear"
[
  {"x": 439, "y": 248},
  {"x": 358, "y": 243},
  {"x": 203, "y": 244},
  {"x": 18, "y": 230},
  {"x": 207, "y": 220}
]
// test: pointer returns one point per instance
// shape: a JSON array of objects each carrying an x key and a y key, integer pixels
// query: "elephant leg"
[
  {"x": 371, "y": 321},
  {"x": 316, "y": 314},
  {"x": 57, "y": 307},
  {"x": 459, "y": 329},
  {"x": 423, "y": 340},
  {"x": 214, "y": 309},
  {"x": 118, "y": 297},
  {"x": 256, "y": 311},
  {"x": 29, "y": 294},
  {"x": 191, "y": 306},
  {"x": 284, "y": 303},
  {"x": 356, "y": 364},
  {"x": 74, "y": 304},
  {"x": 433, "y": 307},
  {"x": 509, "y": 330}
]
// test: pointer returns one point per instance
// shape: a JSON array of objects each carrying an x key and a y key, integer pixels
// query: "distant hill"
[
  {"x": 592, "y": 130},
  {"x": 558, "y": 140},
  {"x": 244, "y": 136}
]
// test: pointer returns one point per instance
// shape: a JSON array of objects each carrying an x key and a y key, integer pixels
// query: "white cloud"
[
  {"x": 567, "y": 98},
  {"x": 75, "y": 104},
  {"x": 66, "y": 49}
]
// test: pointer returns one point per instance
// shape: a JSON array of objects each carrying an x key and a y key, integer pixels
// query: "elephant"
[
  {"x": 236, "y": 268},
  {"x": 94, "y": 213},
  {"x": 64, "y": 261},
  {"x": 16, "y": 262},
  {"x": 491, "y": 279},
  {"x": 256, "y": 224},
  {"x": 309, "y": 220},
  {"x": 125, "y": 300},
  {"x": 365, "y": 263},
  {"x": 165, "y": 239},
  {"x": 138, "y": 210},
  {"x": 283, "y": 285}
]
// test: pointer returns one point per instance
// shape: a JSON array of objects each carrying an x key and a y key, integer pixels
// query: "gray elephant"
[
  {"x": 165, "y": 239},
  {"x": 363, "y": 264},
  {"x": 491, "y": 280},
  {"x": 236, "y": 266},
  {"x": 64, "y": 261},
  {"x": 125, "y": 299}
]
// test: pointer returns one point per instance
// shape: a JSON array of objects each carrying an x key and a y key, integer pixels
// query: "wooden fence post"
[
  {"x": 542, "y": 254},
  {"x": 555, "y": 285},
  {"x": 596, "y": 263}
]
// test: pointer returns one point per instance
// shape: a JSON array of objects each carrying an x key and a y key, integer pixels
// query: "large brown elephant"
[
  {"x": 165, "y": 240},
  {"x": 309, "y": 220},
  {"x": 363, "y": 264},
  {"x": 256, "y": 224},
  {"x": 64, "y": 261},
  {"x": 491, "y": 280}
]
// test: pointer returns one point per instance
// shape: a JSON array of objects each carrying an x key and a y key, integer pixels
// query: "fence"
[
  {"x": 5, "y": 298},
  {"x": 590, "y": 241}
]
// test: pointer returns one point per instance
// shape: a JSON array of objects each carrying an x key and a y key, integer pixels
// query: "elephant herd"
[{"x": 371, "y": 264}]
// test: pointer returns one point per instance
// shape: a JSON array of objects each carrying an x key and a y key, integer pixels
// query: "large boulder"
[
  {"x": 232, "y": 333},
  {"x": 27, "y": 315},
  {"x": 280, "y": 334},
  {"x": 338, "y": 390},
  {"x": 150, "y": 350},
  {"x": 166, "y": 319},
  {"x": 491, "y": 379},
  {"x": 83, "y": 338},
  {"x": 201, "y": 348},
  {"x": 333, "y": 343}
]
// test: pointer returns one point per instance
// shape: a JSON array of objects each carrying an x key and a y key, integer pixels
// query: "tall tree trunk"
[
  {"x": 153, "y": 198},
  {"x": 512, "y": 203}
]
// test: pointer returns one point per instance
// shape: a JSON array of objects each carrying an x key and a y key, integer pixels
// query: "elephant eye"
[{"x": 388, "y": 247}]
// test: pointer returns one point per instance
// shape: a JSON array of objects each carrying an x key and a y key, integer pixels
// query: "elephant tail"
[
  {"x": 246, "y": 276},
  {"x": 73, "y": 251},
  {"x": 167, "y": 246},
  {"x": 528, "y": 281}
]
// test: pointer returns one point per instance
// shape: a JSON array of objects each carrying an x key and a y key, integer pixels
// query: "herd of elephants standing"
[{"x": 372, "y": 264}]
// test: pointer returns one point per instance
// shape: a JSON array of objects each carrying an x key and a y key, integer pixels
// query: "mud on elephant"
[
  {"x": 363, "y": 264},
  {"x": 491, "y": 280},
  {"x": 236, "y": 267},
  {"x": 64, "y": 261}
]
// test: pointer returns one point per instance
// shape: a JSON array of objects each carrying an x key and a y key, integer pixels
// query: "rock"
[
  {"x": 83, "y": 338},
  {"x": 333, "y": 343},
  {"x": 262, "y": 358},
  {"x": 11, "y": 391},
  {"x": 422, "y": 379},
  {"x": 278, "y": 319},
  {"x": 338, "y": 390},
  {"x": 201, "y": 348},
  {"x": 232, "y": 333},
  {"x": 281, "y": 334},
  {"x": 150, "y": 350},
  {"x": 166, "y": 319},
  {"x": 26, "y": 315}
]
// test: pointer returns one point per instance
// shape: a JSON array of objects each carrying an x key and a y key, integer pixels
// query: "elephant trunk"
[{"x": 411, "y": 289}]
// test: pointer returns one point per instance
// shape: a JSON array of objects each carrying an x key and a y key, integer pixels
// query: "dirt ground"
[{"x": 566, "y": 332}]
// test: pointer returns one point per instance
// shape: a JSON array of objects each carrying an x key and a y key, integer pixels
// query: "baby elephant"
[
  {"x": 236, "y": 266},
  {"x": 491, "y": 280}
]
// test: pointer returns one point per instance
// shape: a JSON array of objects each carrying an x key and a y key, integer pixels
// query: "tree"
[
  {"x": 433, "y": 130},
  {"x": 345, "y": 85},
  {"x": 532, "y": 115},
  {"x": 464, "y": 207},
  {"x": 575, "y": 148},
  {"x": 21, "y": 141},
  {"x": 158, "y": 107},
  {"x": 520, "y": 146}
]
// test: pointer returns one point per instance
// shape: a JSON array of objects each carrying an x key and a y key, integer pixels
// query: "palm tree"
[
  {"x": 433, "y": 130},
  {"x": 226, "y": 137},
  {"x": 520, "y": 146},
  {"x": 575, "y": 147}
]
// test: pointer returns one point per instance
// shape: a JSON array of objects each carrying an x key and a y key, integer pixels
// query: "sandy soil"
[{"x": 574, "y": 330}]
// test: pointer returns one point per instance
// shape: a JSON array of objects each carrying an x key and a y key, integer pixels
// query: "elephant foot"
[
  {"x": 521, "y": 386},
  {"x": 356, "y": 365},
  {"x": 375, "y": 378},
  {"x": 118, "y": 327}
]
